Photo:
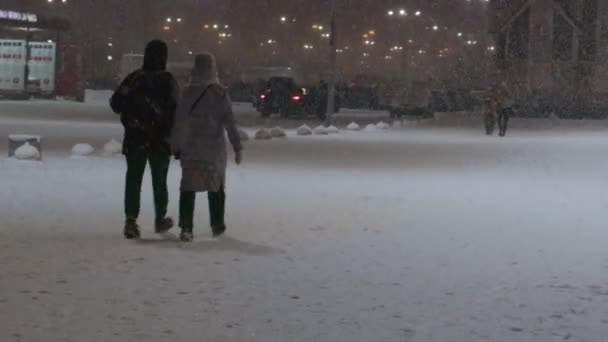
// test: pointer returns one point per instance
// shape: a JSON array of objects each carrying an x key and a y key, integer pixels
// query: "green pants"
[
  {"x": 137, "y": 158},
  {"x": 217, "y": 203}
]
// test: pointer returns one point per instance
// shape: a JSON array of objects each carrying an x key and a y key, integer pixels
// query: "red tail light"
[
  {"x": 263, "y": 96},
  {"x": 296, "y": 98}
]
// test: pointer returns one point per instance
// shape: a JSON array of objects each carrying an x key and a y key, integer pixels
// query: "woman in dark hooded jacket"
[{"x": 204, "y": 116}]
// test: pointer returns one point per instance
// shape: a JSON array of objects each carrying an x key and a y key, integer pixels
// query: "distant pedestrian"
[
  {"x": 489, "y": 112},
  {"x": 505, "y": 108},
  {"x": 204, "y": 115},
  {"x": 146, "y": 101}
]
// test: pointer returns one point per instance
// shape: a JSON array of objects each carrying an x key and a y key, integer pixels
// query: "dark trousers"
[
  {"x": 217, "y": 204},
  {"x": 489, "y": 120},
  {"x": 159, "y": 160},
  {"x": 503, "y": 120}
]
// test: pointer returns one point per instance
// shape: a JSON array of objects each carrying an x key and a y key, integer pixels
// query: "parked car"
[
  {"x": 283, "y": 96},
  {"x": 413, "y": 100},
  {"x": 366, "y": 97}
]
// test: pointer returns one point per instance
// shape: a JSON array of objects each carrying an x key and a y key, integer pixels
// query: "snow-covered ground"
[{"x": 411, "y": 234}]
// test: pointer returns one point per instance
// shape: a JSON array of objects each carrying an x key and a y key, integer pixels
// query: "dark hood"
[{"x": 156, "y": 55}]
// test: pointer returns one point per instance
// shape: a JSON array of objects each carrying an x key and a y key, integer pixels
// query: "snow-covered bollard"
[
  {"x": 370, "y": 128},
  {"x": 332, "y": 130},
  {"x": 243, "y": 135},
  {"x": 353, "y": 126},
  {"x": 304, "y": 130},
  {"x": 263, "y": 134},
  {"x": 112, "y": 147},
  {"x": 278, "y": 132},
  {"x": 321, "y": 130},
  {"x": 17, "y": 140},
  {"x": 27, "y": 152},
  {"x": 82, "y": 150},
  {"x": 383, "y": 125}
]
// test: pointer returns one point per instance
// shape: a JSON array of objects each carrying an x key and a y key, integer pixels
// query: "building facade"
[{"x": 553, "y": 53}]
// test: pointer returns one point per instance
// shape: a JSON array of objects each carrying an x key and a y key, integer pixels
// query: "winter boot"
[
  {"x": 163, "y": 225},
  {"x": 186, "y": 235},
  {"x": 218, "y": 230},
  {"x": 131, "y": 230}
]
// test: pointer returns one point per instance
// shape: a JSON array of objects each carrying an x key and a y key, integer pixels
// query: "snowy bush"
[
  {"x": 244, "y": 136},
  {"x": 278, "y": 132},
  {"x": 263, "y": 134},
  {"x": 82, "y": 150},
  {"x": 27, "y": 152},
  {"x": 304, "y": 130},
  {"x": 321, "y": 130},
  {"x": 383, "y": 125},
  {"x": 112, "y": 147},
  {"x": 353, "y": 126}
]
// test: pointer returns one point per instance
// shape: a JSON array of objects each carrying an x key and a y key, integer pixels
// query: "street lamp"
[{"x": 333, "y": 57}]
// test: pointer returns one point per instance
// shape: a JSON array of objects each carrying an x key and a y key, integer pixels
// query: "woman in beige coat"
[{"x": 204, "y": 115}]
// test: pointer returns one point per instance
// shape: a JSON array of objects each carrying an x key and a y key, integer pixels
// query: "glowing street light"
[
  {"x": 283, "y": 19},
  {"x": 418, "y": 13},
  {"x": 391, "y": 13},
  {"x": 402, "y": 12},
  {"x": 169, "y": 20}
]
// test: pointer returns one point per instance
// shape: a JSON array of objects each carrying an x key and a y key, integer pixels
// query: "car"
[
  {"x": 413, "y": 100},
  {"x": 282, "y": 95}
]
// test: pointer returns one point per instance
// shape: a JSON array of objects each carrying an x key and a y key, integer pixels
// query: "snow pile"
[
  {"x": 353, "y": 126},
  {"x": 244, "y": 136},
  {"x": 82, "y": 150},
  {"x": 332, "y": 130},
  {"x": 112, "y": 147},
  {"x": 321, "y": 130},
  {"x": 304, "y": 130},
  {"x": 278, "y": 132},
  {"x": 263, "y": 134},
  {"x": 383, "y": 125},
  {"x": 27, "y": 152},
  {"x": 370, "y": 128}
]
